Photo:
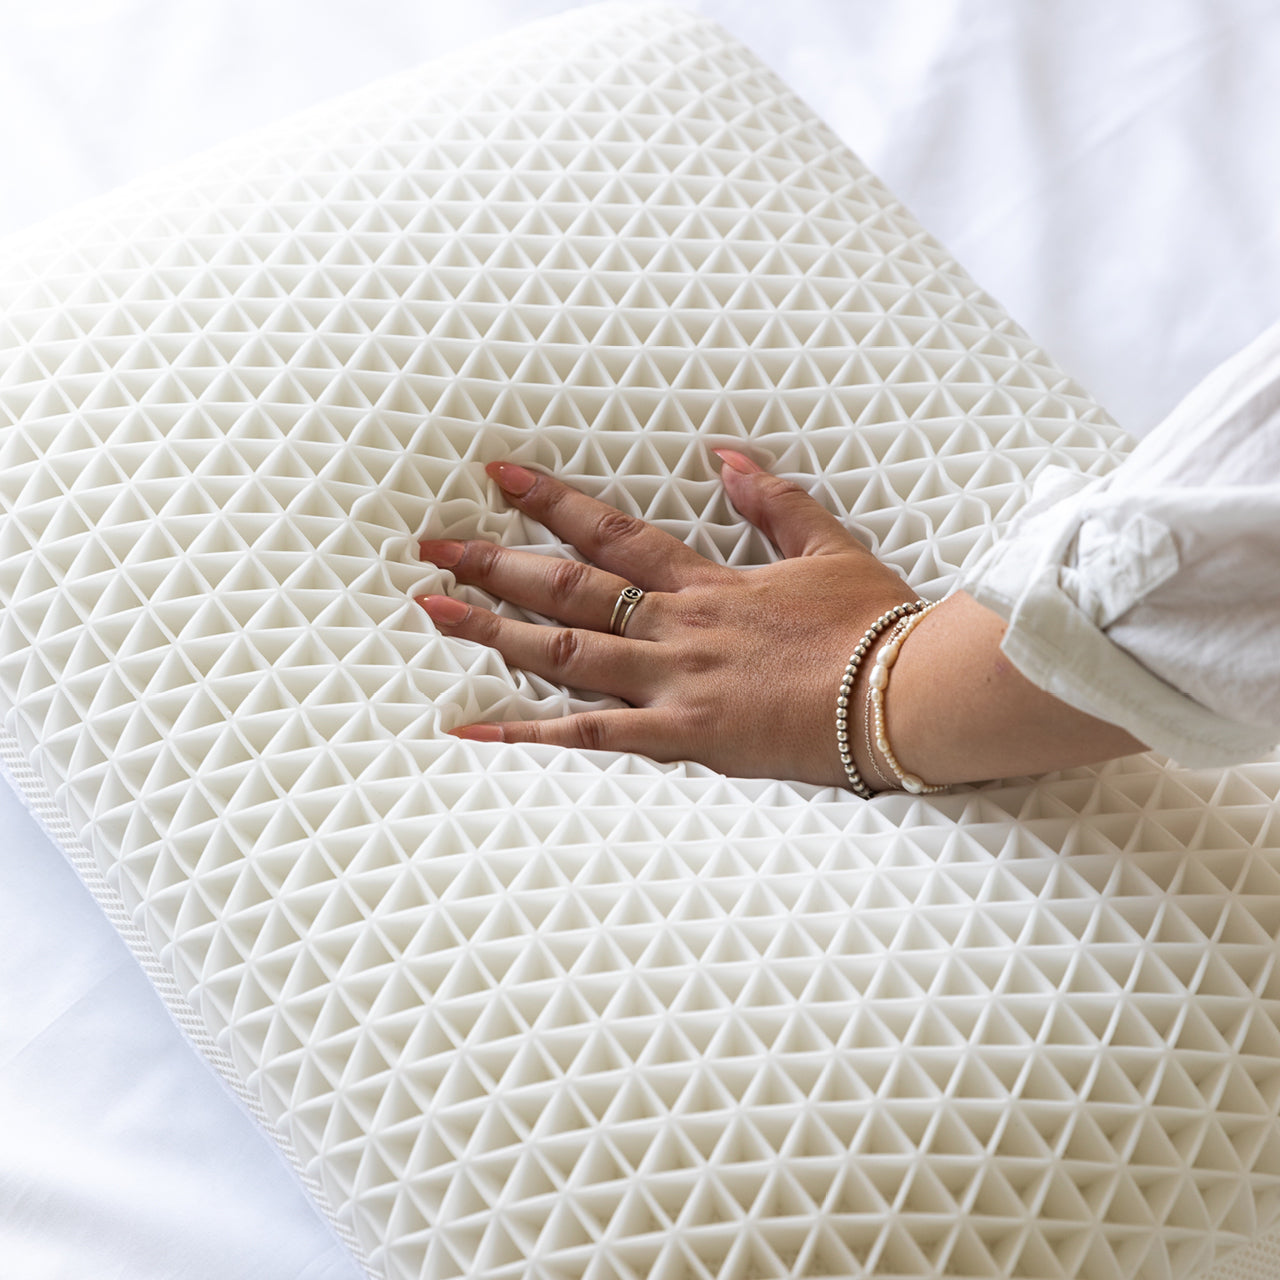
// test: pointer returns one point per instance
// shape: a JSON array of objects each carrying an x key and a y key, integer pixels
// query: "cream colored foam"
[{"x": 527, "y": 1013}]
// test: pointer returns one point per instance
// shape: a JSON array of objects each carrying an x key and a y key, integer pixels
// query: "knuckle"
[
  {"x": 593, "y": 732},
  {"x": 692, "y": 726},
  {"x": 545, "y": 497},
  {"x": 616, "y": 526},
  {"x": 565, "y": 579},
  {"x": 481, "y": 558},
  {"x": 692, "y": 660},
  {"x": 694, "y": 721},
  {"x": 701, "y": 613},
  {"x": 780, "y": 484},
  {"x": 564, "y": 648},
  {"x": 483, "y": 625},
  {"x": 780, "y": 489}
]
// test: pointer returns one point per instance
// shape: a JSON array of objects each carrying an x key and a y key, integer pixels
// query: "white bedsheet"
[{"x": 1126, "y": 216}]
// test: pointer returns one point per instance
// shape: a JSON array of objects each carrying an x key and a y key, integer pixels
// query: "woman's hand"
[
  {"x": 736, "y": 669},
  {"x": 740, "y": 669}
]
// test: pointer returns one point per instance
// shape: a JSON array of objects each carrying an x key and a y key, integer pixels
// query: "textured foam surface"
[{"x": 524, "y": 1013}]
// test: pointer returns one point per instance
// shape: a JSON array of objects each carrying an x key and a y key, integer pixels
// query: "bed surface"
[{"x": 1122, "y": 209}]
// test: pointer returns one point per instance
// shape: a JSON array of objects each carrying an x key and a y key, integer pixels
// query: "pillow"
[{"x": 518, "y": 1012}]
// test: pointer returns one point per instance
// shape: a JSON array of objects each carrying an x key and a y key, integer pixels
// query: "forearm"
[{"x": 958, "y": 711}]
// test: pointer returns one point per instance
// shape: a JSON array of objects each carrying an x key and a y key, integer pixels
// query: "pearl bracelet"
[
  {"x": 856, "y": 784},
  {"x": 877, "y": 686},
  {"x": 868, "y": 716}
]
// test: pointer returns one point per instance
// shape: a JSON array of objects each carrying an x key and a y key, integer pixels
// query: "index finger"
[{"x": 620, "y": 543}]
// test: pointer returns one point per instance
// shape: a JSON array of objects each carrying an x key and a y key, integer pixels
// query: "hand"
[{"x": 736, "y": 669}]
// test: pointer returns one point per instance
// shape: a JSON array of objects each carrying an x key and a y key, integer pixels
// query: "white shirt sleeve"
[{"x": 1150, "y": 597}]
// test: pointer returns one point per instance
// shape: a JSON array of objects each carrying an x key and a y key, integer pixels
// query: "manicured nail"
[
  {"x": 442, "y": 552},
  {"x": 479, "y": 732},
  {"x": 511, "y": 478},
  {"x": 738, "y": 461},
  {"x": 444, "y": 609}
]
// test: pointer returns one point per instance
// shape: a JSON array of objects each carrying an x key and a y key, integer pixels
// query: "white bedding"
[{"x": 1126, "y": 218}]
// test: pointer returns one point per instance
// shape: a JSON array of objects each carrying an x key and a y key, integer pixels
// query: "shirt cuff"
[{"x": 1061, "y": 649}]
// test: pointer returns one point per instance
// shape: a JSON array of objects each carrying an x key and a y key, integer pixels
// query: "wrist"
[{"x": 959, "y": 711}]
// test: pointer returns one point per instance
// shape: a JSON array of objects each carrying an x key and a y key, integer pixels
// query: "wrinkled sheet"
[{"x": 1110, "y": 173}]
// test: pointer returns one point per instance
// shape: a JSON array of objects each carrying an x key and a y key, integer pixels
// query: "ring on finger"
[{"x": 623, "y": 608}]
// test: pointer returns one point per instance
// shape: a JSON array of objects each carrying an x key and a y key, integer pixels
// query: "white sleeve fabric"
[{"x": 1150, "y": 597}]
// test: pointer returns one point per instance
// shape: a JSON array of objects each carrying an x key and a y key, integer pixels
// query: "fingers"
[
  {"x": 793, "y": 521},
  {"x": 572, "y": 592},
  {"x": 645, "y": 730},
  {"x": 565, "y": 655},
  {"x": 622, "y": 544}
]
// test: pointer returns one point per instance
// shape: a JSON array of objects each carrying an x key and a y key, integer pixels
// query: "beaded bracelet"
[
  {"x": 856, "y": 784},
  {"x": 877, "y": 686}
]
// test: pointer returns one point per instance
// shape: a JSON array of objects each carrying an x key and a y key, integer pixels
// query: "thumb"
[{"x": 793, "y": 521}]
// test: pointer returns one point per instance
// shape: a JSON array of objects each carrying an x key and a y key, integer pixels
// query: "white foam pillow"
[{"x": 517, "y": 1012}]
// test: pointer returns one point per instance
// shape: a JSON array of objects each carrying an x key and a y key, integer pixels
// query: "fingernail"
[
  {"x": 511, "y": 478},
  {"x": 479, "y": 732},
  {"x": 738, "y": 461},
  {"x": 444, "y": 609},
  {"x": 442, "y": 552}
]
